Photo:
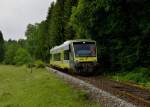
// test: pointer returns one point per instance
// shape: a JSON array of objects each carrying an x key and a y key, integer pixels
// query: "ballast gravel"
[{"x": 104, "y": 98}]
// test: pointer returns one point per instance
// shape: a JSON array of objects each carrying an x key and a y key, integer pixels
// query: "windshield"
[{"x": 85, "y": 49}]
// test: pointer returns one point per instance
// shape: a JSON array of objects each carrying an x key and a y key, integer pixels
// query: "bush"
[
  {"x": 10, "y": 53},
  {"x": 39, "y": 64},
  {"x": 139, "y": 75},
  {"x": 145, "y": 72},
  {"x": 22, "y": 57}
]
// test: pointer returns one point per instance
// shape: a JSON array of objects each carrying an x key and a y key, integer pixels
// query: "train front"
[{"x": 85, "y": 57}]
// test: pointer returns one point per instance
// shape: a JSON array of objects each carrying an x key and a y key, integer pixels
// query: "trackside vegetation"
[
  {"x": 20, "y": 88},
  {"x": 139, "y": 76}
]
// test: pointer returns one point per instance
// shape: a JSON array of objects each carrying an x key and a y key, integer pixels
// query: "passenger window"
[
  {"x": 66, "y": 55},
  {"x": 57, "y": 57}
]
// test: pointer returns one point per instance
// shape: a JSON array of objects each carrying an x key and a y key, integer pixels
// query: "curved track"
[{"x": 128, "y": 92}]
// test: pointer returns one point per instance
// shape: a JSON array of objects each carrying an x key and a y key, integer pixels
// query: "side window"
[
  {"x": 57, "y": 57},
  {"x": 66, "y": 55}
]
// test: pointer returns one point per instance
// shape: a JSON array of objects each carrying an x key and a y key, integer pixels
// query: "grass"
[
  {"x": 139, "y": 76},
  {"x": 20, "y": 88}
]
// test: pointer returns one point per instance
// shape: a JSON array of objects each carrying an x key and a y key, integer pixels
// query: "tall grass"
[
  {"x": 138, "y": 75},
  {"x": 20, "y": 88}
]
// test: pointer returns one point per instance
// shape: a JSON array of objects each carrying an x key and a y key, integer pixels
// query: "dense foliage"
[
  {"x": 41, "y": 37},
  {"x": 16, "y": 53},
  {"x": 120, "y": 27},
  {"x": 22, "y": 57},
  {"x": 1, "y": 47},
  {"x": 139, "y": 75}
]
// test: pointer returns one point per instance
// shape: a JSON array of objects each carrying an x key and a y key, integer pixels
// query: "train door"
[{"x": 71, "y": 58}]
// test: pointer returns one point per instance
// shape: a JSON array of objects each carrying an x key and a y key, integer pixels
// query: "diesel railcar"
[{"x": 79, "y": 56}]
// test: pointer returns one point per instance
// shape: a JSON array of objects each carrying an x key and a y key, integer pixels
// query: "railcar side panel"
[{"x": 78, "y": 55}]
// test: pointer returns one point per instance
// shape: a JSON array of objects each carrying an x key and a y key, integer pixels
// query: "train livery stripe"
[
  {"x": 60, "y": 64},
  {"x": 86, "y": 59}
]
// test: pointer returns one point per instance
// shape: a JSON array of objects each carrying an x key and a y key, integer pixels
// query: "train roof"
[{"x": 65, "y": 45}]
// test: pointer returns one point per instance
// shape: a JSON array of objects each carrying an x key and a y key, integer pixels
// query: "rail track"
[{"x": 130, "y": 93}]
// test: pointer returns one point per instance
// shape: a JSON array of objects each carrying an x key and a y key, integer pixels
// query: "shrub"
[
  {"x": 22, "y": 57},
  {"x": 39, "y": 64},
  {"x": 145, "y": 73},
  {"x": 139, "y": 75},
  {"x": 10, "y": 53}
]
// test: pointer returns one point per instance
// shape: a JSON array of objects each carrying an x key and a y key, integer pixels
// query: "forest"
[{"x": 121, "y": 29}]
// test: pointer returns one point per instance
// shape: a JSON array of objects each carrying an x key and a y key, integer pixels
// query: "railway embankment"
[{"x": 96, "y": 93}]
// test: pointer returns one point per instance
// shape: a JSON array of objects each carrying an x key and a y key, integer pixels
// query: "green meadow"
[{"x": 20, "y": 88}]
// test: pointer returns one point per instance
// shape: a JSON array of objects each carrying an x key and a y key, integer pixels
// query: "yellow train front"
[{"x": 79, "y": 56}]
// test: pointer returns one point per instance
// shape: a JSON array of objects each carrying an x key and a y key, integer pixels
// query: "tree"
[
  {"x": 56, "y": 27},
  {"x": 69, "y": 32},
  {"x": 42, "y": 50},
  {"x": 22, "y": 57},
  {"x": 32, "y": 42},
  {"x": 118, "y": 27},
  {"x": 10, "y": 52},
  {"x": 2, "y": 51},
  {"x": 49, "y": 21},
  {"x": 22, "y": 43}
]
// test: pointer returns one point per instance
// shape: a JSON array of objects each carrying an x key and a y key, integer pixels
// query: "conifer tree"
[
  {"x": 49, "y": 22},
  {"x": 56, "y": 28},
  {"x": 1, "y": 47},
  {"x": 69, "y": 33}
]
